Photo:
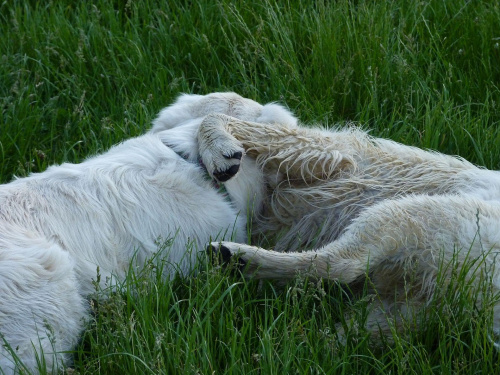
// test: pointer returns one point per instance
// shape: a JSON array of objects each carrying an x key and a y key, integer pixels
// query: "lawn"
[{"x": 78, "y": 77}]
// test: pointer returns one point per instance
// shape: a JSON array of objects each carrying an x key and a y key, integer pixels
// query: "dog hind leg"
[{"x": 41, "y": 314}]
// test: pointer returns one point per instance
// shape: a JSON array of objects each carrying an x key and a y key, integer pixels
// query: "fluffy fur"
[
  {"x": 59, "y": 226},
  {"x": 367, "y": 206}
]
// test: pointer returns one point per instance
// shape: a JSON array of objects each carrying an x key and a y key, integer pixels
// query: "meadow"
[{"x": 78, "y": 77}]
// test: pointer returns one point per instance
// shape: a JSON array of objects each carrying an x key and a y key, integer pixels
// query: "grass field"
[{"x": 77, "y": 77}]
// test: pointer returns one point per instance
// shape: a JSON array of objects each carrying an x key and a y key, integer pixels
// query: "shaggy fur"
[
  {"x": 107, "y": 213},
  {"x": 367, "y": 206}
]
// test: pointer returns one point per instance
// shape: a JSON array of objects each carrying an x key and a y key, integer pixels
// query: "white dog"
[
  {"x": 59, "y": 226},
  {"x": 368, "y": 206}
]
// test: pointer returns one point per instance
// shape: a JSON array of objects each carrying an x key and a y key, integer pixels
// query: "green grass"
[{"x": 77, "y": 77}]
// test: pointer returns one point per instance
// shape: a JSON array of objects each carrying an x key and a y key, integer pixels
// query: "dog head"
[{"x": 190, "y": 107}]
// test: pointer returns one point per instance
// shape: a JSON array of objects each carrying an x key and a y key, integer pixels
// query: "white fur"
[
  {"x": 179, "y": 124},
  {"x": 59, "y": 226},
  {"x": 367, "y": 205}
]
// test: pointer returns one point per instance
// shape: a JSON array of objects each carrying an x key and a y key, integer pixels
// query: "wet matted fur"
[{"x": 367, "y": 206}]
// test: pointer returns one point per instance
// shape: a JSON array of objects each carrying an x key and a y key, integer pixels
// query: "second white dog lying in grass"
[{"x": 369, "y": 206}]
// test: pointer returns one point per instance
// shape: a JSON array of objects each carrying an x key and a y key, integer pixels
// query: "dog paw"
[
  {"x": 225, "y": 256},
  {"x": 222, "y": 162},
  {"x": 223, "y": 175},
  {"x": 220, "y": 152}
]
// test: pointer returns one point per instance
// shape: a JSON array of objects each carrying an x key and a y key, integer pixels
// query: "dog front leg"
[
  {"x": 299, "y": 153},
  {"x": 256, "y": 262}
]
